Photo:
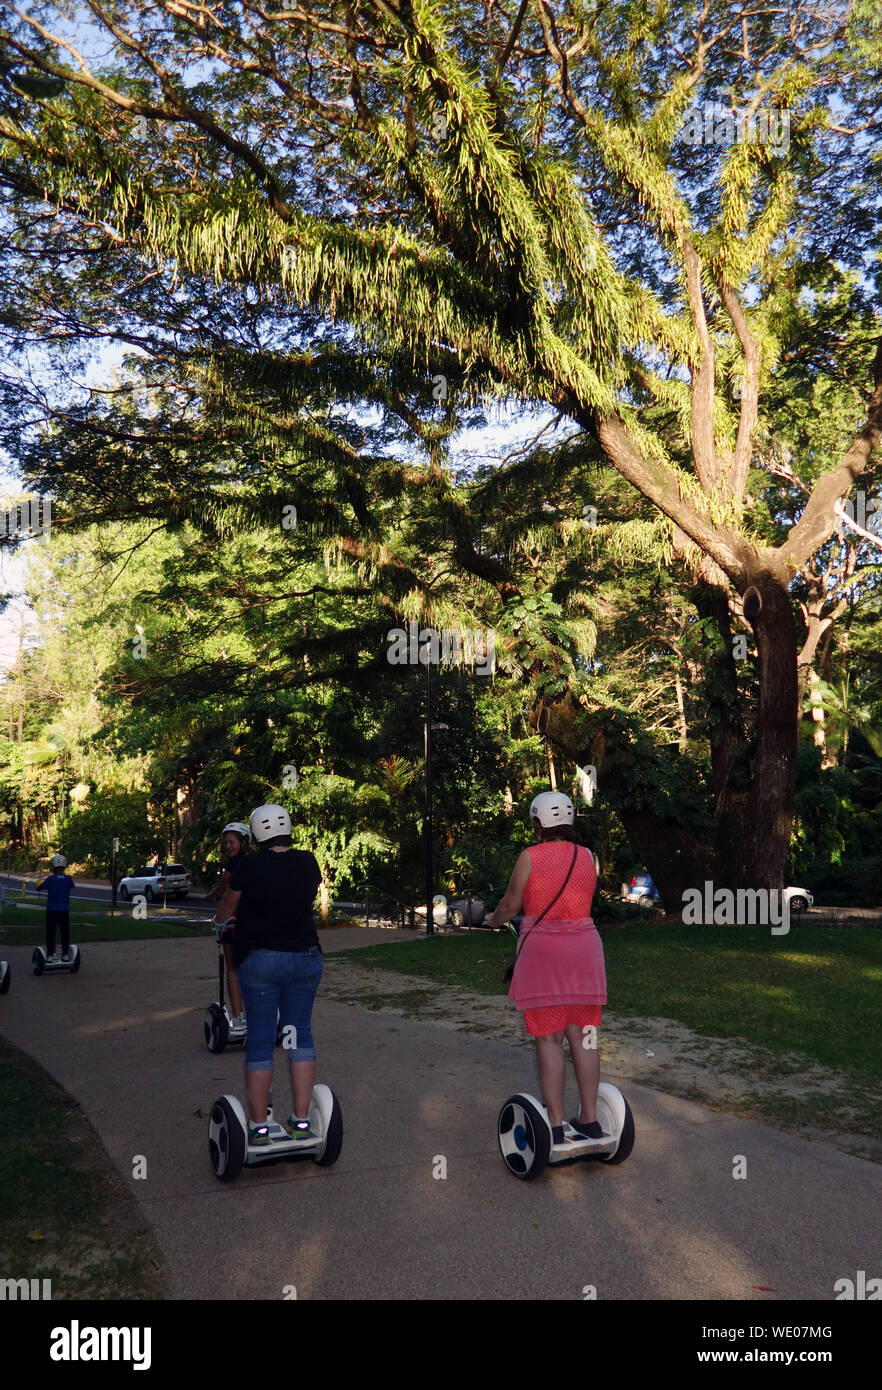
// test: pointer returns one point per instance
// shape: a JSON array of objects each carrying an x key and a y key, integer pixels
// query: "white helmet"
[
  {"x": 238, "y": 828},
  {"x": 552, "y": 809},
  {"x": 58, "y": 861},
  {"x": 269, "y": 821}
]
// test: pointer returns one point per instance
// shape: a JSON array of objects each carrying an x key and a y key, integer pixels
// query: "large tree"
[{"x": 470, "y": 200}]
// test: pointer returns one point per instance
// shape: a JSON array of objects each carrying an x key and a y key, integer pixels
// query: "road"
[{"x": 124, "y": 1037}]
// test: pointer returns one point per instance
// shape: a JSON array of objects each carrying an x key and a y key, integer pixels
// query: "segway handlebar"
[{"x": 223, "y": 931}]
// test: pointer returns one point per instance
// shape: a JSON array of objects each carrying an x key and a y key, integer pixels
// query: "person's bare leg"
[
  {"x": 586, "y": 1064},
  {"x": 552, "y": 1073},
  {"x": 302, "y": 1082},
  {"x": 258, "y": 1084},
  {"x": 233, "y": 989}
]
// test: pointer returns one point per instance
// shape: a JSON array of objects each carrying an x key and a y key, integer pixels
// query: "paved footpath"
[{"x": 124, "y": 1037}]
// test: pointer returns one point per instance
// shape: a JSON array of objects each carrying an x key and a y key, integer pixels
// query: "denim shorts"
[{"x": 283, "y": 981}]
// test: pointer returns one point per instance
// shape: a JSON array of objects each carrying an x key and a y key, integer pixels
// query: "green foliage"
[
  {"x": 342, "y": 210},
  {"x": 87, "y": 833}
]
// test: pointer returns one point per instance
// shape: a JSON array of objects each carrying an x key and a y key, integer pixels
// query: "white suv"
[{"x": 170, "y": 880}]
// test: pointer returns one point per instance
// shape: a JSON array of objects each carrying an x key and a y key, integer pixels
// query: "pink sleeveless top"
[
  {"x": 548, "y": 869},
  {"x": 561, "y": 960}
]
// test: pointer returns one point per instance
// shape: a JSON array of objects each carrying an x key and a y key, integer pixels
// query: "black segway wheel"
[
  {"x": 38, "y": 962},
  {"x": 6, "y": 979},
  {"x": 524, "y": 1137},
  {"x": 77, "y": 962},
  {"x": 334, "y": 1137},
  {"x": 215, "y": 1028},
  {"x": 612, "y": 1117},
  {"x": 227, "y": 1144}
]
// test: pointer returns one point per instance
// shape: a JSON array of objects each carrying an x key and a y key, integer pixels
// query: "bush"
[{"x": 853, "y": 883}]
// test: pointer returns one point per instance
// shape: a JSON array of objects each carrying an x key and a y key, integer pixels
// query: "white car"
[
  {"x": 162, "y": 880},
  {"x": 798, "y": 899}
]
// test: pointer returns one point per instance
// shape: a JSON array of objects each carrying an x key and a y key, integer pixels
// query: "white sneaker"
[
  {"x": 52, "y": 960},
  {"x": 67, "y": 957}
]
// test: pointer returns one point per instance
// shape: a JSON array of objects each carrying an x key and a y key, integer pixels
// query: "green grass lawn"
[
  {"x": 24, "y": 924},
  {"x": 64, "y": 1212},
  {"x": 815, "y": 992}
]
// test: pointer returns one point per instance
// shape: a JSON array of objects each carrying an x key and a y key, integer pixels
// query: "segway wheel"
[
  {"x": 227, "y": 1144},
  {"x": 614, "y": 1115},
  {"x": 524, "y": 1137},
  {"x": 324, "y": 1109},
  {"x": 77, "y": 961},
  {"x": 38, "y": 962},
  {"x": 215, "y": 1028},
  {"x": 6, "y": 979}
]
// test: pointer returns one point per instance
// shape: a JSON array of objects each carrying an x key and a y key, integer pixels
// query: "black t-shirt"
[{"x": 275, "y": 910}]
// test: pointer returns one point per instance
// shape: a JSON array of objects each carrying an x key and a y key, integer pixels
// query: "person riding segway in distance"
[
  {"x": 279, "y": 960},
  {"x": 58, "y": 885},
  {"x": 235, "y": 838},
  {"x": 559, "y": 978}
]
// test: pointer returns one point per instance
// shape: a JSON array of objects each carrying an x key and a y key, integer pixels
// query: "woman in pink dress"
[{"x": 559, "y": 980}]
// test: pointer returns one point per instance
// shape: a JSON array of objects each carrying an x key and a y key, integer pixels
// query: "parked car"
[
  {"x": 798, "y": 899},
  {"x": 641, "y": 890},
  {"x": 474, "y": 909},
  {"x": 462, "y": 914},
  {"x": 169, "y": 880}
]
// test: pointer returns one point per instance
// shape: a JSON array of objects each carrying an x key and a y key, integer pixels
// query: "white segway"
[
  {"x": 217, "y": 1024},
  {"x": 229, "y": 1150},
  {"x": 43, "y": 963},
  {"x": 527, "y": 1144},
  {"x": 5, "y": 976}
]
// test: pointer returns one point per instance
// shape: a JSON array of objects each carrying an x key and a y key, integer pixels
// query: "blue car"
[{"x": 641, "y": 890}]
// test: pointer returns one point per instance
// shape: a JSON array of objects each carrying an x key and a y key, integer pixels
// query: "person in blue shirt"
[{"x": 59, "y": 885}]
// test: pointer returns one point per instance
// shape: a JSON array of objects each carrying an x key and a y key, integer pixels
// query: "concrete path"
[{"x": 124, "y": 1037}]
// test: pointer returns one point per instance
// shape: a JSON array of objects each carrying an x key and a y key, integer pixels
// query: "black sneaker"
[{"x": 586, "y": 1131}]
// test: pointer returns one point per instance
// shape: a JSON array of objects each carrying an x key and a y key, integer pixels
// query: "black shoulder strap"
[{"x": 551, "y": 904}]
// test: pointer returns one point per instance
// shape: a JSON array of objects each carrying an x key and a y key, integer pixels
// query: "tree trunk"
[
  {"x": 774, "y": 780},
  {"x": 683, "y": 732},
  {"x": 728, "y": 749}
]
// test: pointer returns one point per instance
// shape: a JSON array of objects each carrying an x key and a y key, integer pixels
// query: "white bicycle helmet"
[
  {"x": 238, "y": 828},
  {"x": 552, "y": 809},
  {"x": 269, "y": 821},
  {"x": 58, "y": 861}
]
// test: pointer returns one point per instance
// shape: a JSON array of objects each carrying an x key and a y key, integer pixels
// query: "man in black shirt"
[{"x": 279, "y": 961}]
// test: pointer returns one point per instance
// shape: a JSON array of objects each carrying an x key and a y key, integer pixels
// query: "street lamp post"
[
  {"x": 114, "y": 852},
  {"x": 429, "y": 845},
  {"x": 430, "y": 916}
]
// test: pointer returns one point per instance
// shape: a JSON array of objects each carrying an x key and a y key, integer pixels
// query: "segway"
[
  {"x": 217, "y": 1025},
  {"x": 527, "y": 1144},
  {"x": 5, "y": 976},
  {"x": 229, "y": 1150},
  {"x": 41, "y": 962}
]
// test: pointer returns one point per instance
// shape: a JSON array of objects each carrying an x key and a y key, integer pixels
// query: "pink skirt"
[{"x": 559, "y": 963}]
